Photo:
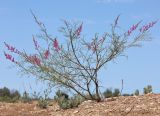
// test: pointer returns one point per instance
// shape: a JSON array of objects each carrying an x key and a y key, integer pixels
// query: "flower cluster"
[
  {"x": 134, "y": 27},
  {"x": 94, "y": 45},
  {"x": 55, "y": 45},
  {"x": 12, "y": 49},
  {"x": 146, "y": 27},
  {"x": 46, "y": 54},
  {"x": 34, "y": 59},
  {"x": 9, "y": 57},
  {"x": 79, "y": 30}
]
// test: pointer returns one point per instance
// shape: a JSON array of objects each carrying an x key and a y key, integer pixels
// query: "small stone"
[{"x": 75, "y": 111}]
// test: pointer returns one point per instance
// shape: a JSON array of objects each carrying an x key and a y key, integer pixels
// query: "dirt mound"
[{"x": 144, "y": 105}]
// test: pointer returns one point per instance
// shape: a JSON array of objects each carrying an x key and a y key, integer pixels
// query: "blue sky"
[{"x": 140, "y": 69}]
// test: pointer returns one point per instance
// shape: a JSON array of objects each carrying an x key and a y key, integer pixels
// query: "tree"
[{"x": 76, "y": 64}]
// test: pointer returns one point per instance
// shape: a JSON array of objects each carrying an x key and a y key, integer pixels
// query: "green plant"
[
  {"x": 76, "y": 100},
  {"x": 66, "y": 102},
  {"x": 116, "y": 93},
  {"x": 107, "y": 93},
  {"x": 76, "y": 64},
  {"x": 63, "y": 100},
  {"x": 126, "y": 94},
  {"x": 26, "y": 98},
  {"x": 7, "y": 95},
  {"x": 4, "y": 92},
  {"x": 147, "y": 89},
  {"x": 136, "y": 92},
  {"x": 43, "y": 100},
  {"x": 43, "y": 103}
]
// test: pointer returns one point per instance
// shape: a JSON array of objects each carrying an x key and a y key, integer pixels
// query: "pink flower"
[
  {"x": 134, "y": 27},
  {"x": 9, "y": 57},
  {"x": 46, "y": 54},
  {"x": 55, "y": 45},
  {"x": 12, "y": 49},
  {"x": 34, "y": 59},
  {"x": 148, "y": 26},
  {"x": 79, "y": 30}
]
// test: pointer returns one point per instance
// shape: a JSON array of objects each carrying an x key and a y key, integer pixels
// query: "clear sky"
[{"x": 140, "y": 69}]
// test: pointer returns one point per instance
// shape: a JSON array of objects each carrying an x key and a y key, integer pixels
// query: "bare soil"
[{"x": 143, "y": 105}]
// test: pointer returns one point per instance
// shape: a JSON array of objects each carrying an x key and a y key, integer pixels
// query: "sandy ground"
[{"x": 144, "y": 105}]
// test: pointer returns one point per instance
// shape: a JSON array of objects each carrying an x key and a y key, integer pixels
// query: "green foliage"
[
  {"x": 136, "y": 92},
  {"x": 107, "y": 93},
  {"x": 76, "y": 100},
  {"x": 26, "y": 98},
  {"x": 43, "y": 103},
  {"x": 116, "y": 93},
  {"x": 147, "y": 89},
  {"x": 126, "y": 94},
  {"x": 65, "y": 102},
  {"x": 7, "y": 95}
]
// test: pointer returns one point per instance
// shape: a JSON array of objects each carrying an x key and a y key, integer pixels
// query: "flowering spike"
[
  {"x": 55, "y": 45},
  {"x": 7, "y": 45},
  {"x": 9, "y": 57},
  {"x": 79, "y": 30},
  {"x": 34, "y": 59},
  {"x": 148, "y": 26},
  {"x": 46, "y": 54},
  {"x": 12, "y": 49},
  {"x": 35, "y": 43},
  {"x": 134, "y": 27}
]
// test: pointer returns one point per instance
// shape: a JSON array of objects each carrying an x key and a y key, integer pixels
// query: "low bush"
[
  {"x": 7, "y": 95},
  {"x": 147, "y": 89},
  {"x": 108, "y": 93},
  {"x": 136, "y": 92},
  {"x": 26, "y": 98},
  {"x": 116, "y": 93},
  {"x": 66, "y": 102}
]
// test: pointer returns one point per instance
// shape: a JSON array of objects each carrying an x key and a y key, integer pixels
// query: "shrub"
[
  {"x": 76, "y": 100},
  {"x": 116, "y": 93},
  {"x": 65, "y": 102},
  {"x": 108, "y": 93},
  {"x": 4, "y": 92},
  {"x": 136, "y": 92},
  {"x": 147, "y": 89},
  {"x": 76, "y": 64},
  {"x": 126, "y": 94},
  {"x": 43, "y": 103},
  {"x": 9, "y": 96},
  {"x": 26, "y": 98}
]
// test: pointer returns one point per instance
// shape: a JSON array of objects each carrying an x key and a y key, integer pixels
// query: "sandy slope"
[{"x": 145, "y": 105}]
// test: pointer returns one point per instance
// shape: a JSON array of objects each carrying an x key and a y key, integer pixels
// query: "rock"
[{"x": 75, "y": 112}]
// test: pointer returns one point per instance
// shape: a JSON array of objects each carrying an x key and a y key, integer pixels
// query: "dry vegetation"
[{"x": 143, "y": 105}]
